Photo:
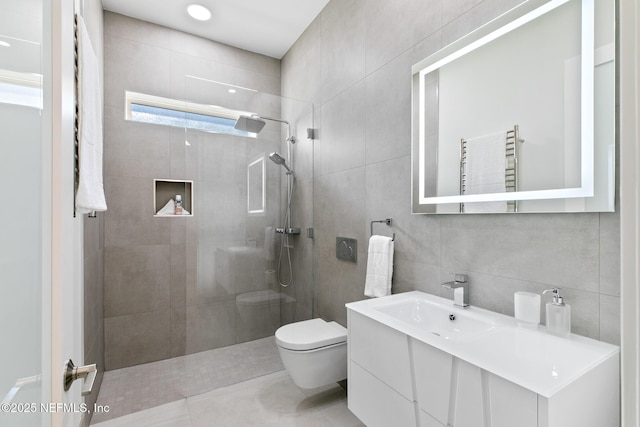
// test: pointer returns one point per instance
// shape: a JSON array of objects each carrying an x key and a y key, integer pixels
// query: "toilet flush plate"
[{"x": 347, "y": 249}]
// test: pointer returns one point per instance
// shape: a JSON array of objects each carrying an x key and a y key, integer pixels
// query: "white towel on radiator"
[
  {"x": 90, "y": 195},
  {"x": 379, "y": 267},
  {"x": 486, "y": 162}
]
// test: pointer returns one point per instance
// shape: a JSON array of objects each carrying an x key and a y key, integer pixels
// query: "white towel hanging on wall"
[{"x": 379, "y": 267}]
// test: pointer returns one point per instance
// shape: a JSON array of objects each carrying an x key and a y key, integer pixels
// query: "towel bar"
[{"x": 388, "y": 223}]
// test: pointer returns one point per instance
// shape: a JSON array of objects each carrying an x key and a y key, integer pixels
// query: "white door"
[{"x": 40, "y": 286}]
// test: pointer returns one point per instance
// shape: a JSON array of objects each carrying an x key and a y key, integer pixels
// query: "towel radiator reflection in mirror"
[{"x": 512, "y": 154}]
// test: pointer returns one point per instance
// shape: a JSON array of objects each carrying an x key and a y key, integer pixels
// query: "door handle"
[{"x": 72, "y": 373}]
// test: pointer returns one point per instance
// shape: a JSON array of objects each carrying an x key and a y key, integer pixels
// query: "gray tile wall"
[
  {"x": 301, "y": 115},
  {"x": 160, "y": 293},
  {"x": 354, "y": 63},
  {"x": 94, "y": 246}
]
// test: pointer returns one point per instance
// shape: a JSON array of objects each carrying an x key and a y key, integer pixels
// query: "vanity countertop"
[{"x": 529, "y": 357}]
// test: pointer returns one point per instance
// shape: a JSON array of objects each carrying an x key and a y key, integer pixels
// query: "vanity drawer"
[
  {"x": 433, "y": 379},
  {"x": 382, "y": 351},
  {"x": 449, "y": 390},
  {"x": 375, "y": 403}
]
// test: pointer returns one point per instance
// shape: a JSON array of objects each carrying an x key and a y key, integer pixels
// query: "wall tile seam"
[
  {"x": 607, "y": 294},
  {"x": 323, "y": 175},
  {"x": 160, "y": 310},
  {"x": 118, "y": 15},
  {"x": 322, "y": 103},
  {"x": 133, "y": 246},
  {"x": 109, "y": 42},
  {"x": 127, "y": 176},
  {"x": 87, "y": 258},
  {"x": 301, "y": 57},
  {"x": 399, "y": 256},
  {"x": 365, "y": 103},
  {"x": 228, "y": 299},
  {"x": 600, "y": 318},
  {"x": 172, "y": 57},
  {"x": 177, "y": 52},
  {"x": 212, "y": 43},
  {"x": 268, "y": 75},
  {"x": 135, "y": 313},
  {"x": 444, "y": 24},
  {"x": 600, "y": 280},
  {"x": 234, "y": 68},
  {"x": 237, "y": 51},
  {"x": 95, "y": 339},
  {"x": 368, "y": 74},
  {"x": 530, "y": 282},
  {"x": 407, "y": 50},
  {"x": 388, "y": 159},
  {"x": 114, "y": 35},
  {"x": 289, "y": 69}
]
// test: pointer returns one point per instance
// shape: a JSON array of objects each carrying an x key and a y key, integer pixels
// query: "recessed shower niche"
[{"x": 164, "y": 197}]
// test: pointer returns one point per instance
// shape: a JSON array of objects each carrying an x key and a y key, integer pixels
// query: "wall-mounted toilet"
[{"x": 314, "y": 352}]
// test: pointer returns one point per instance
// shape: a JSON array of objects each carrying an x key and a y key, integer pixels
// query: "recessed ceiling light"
[
  {"x": 199, "y": 12},
  {"x": 232, "y": 91},
  {"x": 4, "y": 43}
]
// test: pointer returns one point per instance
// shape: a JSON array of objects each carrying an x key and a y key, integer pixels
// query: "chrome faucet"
[{"x": 460, "y": 287}]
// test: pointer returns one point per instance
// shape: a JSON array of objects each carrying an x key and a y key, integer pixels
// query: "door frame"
[
  {"x": 66, "y": 298},
  {"x": 629, "y": 69}
]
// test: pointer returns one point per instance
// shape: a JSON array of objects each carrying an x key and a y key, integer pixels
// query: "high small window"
[{"x": 172, "y": 112}]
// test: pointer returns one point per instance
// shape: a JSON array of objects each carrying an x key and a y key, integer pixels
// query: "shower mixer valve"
[{"x": 281, "y": 230}]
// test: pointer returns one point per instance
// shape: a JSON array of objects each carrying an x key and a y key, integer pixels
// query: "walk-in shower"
[
  {"x": 206, "y": 296},
  {"x": 255, "y": 124}
]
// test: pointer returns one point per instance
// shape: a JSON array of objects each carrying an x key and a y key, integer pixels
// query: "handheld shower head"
[{"x": 279, "y": 160}]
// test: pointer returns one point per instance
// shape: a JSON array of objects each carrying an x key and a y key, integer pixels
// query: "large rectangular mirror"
[{"x": 519, "y": 115}]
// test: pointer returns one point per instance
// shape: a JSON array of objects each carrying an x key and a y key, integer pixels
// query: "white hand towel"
[
  {"x": 269, "y": 239},
  {"x": 379, "y": 267},
  {"x": 90, "y": 195},
  {"x": 486, "y": 158}
]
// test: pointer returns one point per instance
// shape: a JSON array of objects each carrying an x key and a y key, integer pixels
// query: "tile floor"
[
  {"x": 269, "y": 400},
  {"x": 240, "y": 385},
  {"x": 129, "y": 390}
]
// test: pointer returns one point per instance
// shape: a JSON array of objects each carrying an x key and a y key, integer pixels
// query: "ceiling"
[{"x": 269, "y": 27}]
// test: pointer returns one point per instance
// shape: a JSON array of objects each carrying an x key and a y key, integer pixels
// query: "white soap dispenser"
[{"x": 558, "y": 314}]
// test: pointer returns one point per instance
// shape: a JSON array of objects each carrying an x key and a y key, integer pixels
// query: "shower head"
[
  {"x": 279, "y": 160},
  {"x": 255, "y": 123},
  {"x": 249, "y": 124}
]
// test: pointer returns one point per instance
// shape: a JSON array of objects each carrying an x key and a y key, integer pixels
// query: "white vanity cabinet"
[
  {"x": 507, "y": 377},
  {"x": 379, "y": 372},
  {"x": 452, "y": 391}
]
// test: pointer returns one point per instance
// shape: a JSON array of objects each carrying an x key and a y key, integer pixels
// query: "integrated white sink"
[
  {"x": 416, "y": 359},
  {"x": 440, "y": 319},
  {"x": 532, "y": 358}
]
